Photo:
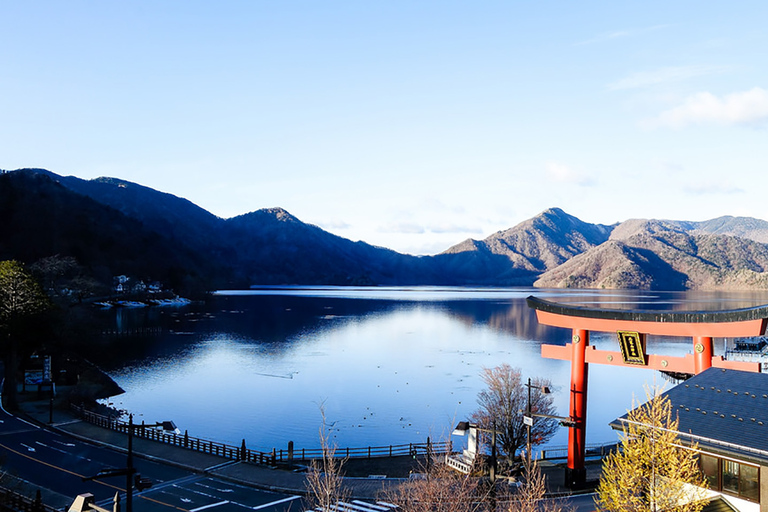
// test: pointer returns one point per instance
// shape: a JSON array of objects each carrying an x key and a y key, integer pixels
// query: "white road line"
[
  {"x": 223, "y": 464},
  {"x": 2, "y": 383},
  {"x": 371, "y": 506},
  {"x": 284, "y": 500},
  {"x": 210, "y": 506}
]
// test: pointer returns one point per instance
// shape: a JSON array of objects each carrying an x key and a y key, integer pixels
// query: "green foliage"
[
  {"x": 20, "y": 295},
  {"x": 652, "y": 471}
]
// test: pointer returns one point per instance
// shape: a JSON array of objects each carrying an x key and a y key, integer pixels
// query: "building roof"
[{"x": 724, "y": 411}]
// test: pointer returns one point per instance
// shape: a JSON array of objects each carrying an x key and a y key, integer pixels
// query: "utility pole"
[
  {"x": 129, "y": 468},
  {"x": 529, "y": 422}
]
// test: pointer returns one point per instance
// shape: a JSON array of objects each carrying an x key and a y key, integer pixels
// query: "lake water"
[{"x": 388, "y": 365}]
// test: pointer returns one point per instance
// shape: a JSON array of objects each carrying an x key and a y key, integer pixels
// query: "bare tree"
[
  {"x": 503, "y": 404},
  {"x": 325, "y": 480},
  {"x": 531, "y": 496},
  {"x": 442, "y": 489},
  {"x": 438, "y": 488}
]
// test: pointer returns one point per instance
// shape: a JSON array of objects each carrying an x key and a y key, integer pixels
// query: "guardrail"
[
  {"x": 592, "y": 450},
  {"x": 244, "y": 453}
]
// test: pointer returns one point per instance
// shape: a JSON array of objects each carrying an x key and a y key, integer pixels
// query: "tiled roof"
[{"x": 725, "y": 411}]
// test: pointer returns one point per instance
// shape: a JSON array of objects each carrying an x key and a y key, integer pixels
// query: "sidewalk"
[
  {"x": 247, "y": 474},
  {"x": 256, "y": 476}
]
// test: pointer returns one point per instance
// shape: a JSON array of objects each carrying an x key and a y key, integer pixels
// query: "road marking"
[
  {"x": 223, "y": 464},
  {"x": 278, "y": 502},
  {"x": 225, "y": 502},
  {"x": 29, "y": 448},
  {"x": 12, "y": 432},
  {"x": 82, "y": 476}
]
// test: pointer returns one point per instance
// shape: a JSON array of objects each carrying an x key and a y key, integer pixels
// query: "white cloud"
[
  {"x": 667, "y": 166},
  {"x": 453, "y": 228},
  {"x": 713, "y": 188},
  {"x": 334, "y": 224},
  {"x": 561, "y": 173},
  {"x": 409, "y": 228},
  {"x": 747, "y": 108},
  {"x": 616, "y": 34},
  {"x": 663, "y": 75},
  {"x": 412, "y": 228}
]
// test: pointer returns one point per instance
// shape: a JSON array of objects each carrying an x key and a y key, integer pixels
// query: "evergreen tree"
[{"x": 21, "y": 299}]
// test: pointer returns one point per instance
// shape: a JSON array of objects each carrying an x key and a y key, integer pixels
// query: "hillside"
[
  {"x": 111, "y": 227},
  {"x": 664, "y": 255},
  {"x": 43, "y": 218},
  {"x": 274, "y": 247},
  {"x": 520, "y": 254},
  {"x": 124, "y": 222}
]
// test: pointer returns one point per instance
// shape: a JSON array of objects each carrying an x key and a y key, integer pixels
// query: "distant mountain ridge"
[
  {"x": 112, "y": 227},
  {"x": 526, "y": 250}
]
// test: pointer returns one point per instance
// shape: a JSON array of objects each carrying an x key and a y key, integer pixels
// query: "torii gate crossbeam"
[{"x": 702, "y": 326}]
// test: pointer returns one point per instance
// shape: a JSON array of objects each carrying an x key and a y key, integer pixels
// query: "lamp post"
[
  {"x": 529, "y": 415},
  {"x": 461, "y": 429},
  {"x": 129, "y": 471},
  {"x": 464, "y": 426},
  {"x": 528, "y": 419}
]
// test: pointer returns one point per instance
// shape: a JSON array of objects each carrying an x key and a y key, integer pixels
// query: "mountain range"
[{"x": 112, "y": 227}]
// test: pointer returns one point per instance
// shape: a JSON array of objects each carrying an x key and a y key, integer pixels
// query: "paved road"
[{"x": 58, "y": 463}]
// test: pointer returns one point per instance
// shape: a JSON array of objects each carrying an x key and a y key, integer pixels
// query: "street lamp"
[
  {"x": 464, "y": 426},
  {"x": 528, "y": 418},
  {"x": 131, "y": 477},
  {"x": 461, "y": 429}
]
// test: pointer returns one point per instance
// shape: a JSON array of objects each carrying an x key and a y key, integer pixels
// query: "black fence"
[{"x": 246, "y": 454}]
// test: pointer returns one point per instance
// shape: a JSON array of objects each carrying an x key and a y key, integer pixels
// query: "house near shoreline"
[{"x": 725, "y": 412}]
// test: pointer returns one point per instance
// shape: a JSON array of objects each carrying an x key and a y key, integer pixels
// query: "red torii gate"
[{"x": 632, "y": 326}]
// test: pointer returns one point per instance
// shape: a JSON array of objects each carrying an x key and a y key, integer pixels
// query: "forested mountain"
[
  {"x": 519, "y": 254},
  {"x": 42, "y": 218},
  {"x": 114, "y": 227},
  {"x": 665, "y": 255}
]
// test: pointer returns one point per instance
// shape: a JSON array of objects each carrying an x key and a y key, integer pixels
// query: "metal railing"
[
  {"x": 246, "y": 454},
  {"x": 592, "y": 450}
]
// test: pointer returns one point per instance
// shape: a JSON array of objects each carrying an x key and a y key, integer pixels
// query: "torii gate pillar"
[
  {"x": 575, "y": 472},
  {"x": 702, "y": 327}
]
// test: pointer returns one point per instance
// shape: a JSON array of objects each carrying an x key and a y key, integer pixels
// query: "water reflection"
[{"x": 390, "y": 366}]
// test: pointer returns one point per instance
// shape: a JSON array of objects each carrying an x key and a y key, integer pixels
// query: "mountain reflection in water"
[{"x": 389, "y": 365}]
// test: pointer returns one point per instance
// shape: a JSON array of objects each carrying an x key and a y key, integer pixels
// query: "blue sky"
[{"x": 408, "y": 124}]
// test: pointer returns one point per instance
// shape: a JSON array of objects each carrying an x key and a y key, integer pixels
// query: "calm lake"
[{"x": 388, "y": 365}]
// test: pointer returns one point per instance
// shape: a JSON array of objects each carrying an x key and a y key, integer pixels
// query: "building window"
[
  {"x": 731, "y": 477},
  {"x": 749, "y": 482},
  {"x": 710, "y": 467},
  {"x": 730, "y": 474}
]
